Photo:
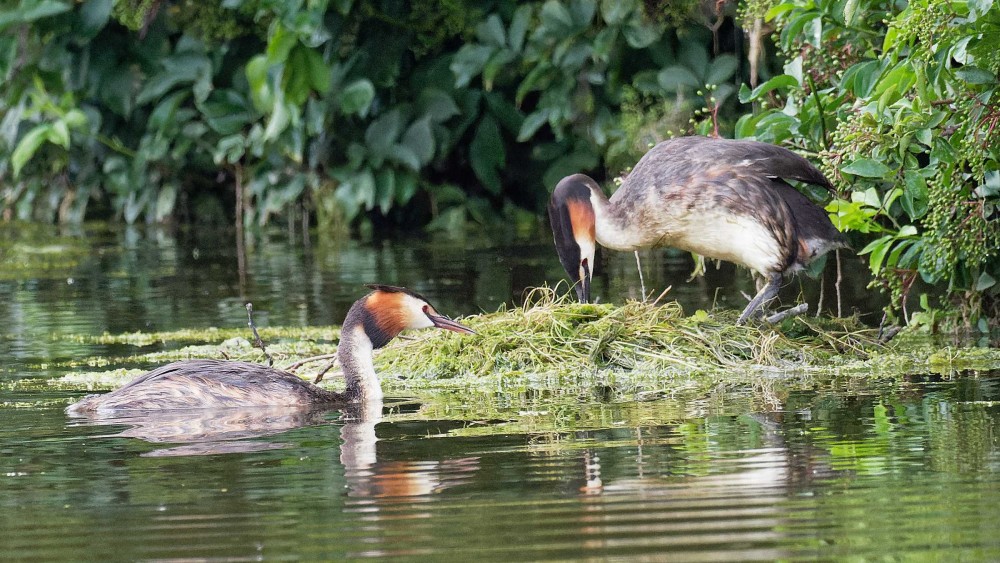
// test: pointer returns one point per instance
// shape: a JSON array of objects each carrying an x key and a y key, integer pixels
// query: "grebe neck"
[
  {"x": 355, "y": 355},
  {"x": 613, "y": 228}
]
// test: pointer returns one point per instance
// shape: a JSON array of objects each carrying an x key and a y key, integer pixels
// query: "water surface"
[{"x": 788, "y": 468}]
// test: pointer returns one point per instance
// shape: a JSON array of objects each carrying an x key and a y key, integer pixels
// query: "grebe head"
[
  {"x": 571, "y": 214},
  {"x": 388, "y": 310}
]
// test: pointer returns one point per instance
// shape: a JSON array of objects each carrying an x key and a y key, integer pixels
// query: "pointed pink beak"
[{"x": 441, "y": 321}]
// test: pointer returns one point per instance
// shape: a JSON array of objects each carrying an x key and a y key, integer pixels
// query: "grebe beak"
[
  {"x": 441, "y": 321},
  {"x": 571, "y": 215}
]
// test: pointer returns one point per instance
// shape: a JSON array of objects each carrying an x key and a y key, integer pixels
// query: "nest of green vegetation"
[
  {"x": 552, "y": 340},
  {"x": 550, "y": 333}
]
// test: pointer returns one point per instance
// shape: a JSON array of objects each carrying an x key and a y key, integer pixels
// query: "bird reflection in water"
[{"x": 244, "y": 430}]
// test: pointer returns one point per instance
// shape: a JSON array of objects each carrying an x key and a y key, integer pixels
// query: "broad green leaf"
[
  {"x": 28, "y": 146},
  {"x": 59, "y": 134},
  {"x": 229, "y": 149},
  {"x": 226, "y": 112},
  {"x": 674, "y": 77},
  {"x": 404, "y": 156},
  {"x": 582, "y": 12},
  {"x": 985, "y": 281},
  {"x": 437, "y": 104},
  {"x": 34, "y": 11},
  {"x": 532, "y": 123},
  {"x": 487, "y": 154},
  {"x": 296, "y": 81},
  {"x": 556, "y": 19},
  {"x": 780, "y": 81},
  {"x": 850, "y": 10},
  {"x": 861, "y": 78},
  {"x": 280, "y": 44},
  {"x": 979, "y": 8},
  {"x": 94, "y": 15},
  {"x": 640, "y": 33},
  {"x": 694, "y": 56},
  {"x": 878, "y": 249},
  {"x": 491, "y": 32},
  {"x": 915, "y": 197},
  {"x": 614, "y": 12},
  {"x": 383, "y": 133},
  {"x": 974, "y": 75},
  {"x": 778, "y": 10},
  {"x": 867, "y": 167},
  {"x": 406, "y": 187},
  {"x": 469, "y": 62},
  {"x": 356, "y": 98},
  {"x": 419, "y": 139},
  {"x": 75, "y": 118},
  {"x": 166, "y": 198},
  {"x": 177, "y": 69},
  {"x": 519, "y": 28},
  {"x": 278, "y": 121},
  {"x": 363, "y": 188},
  {"x": 385, "y": 189},
  {"x": 504, "y": 111},
  {"x": 721, "y": 69},
  {"x": 260, "y": 90}
]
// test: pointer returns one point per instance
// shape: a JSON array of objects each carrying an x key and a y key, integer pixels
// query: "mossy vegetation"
[{"x": 552, "y": 344}]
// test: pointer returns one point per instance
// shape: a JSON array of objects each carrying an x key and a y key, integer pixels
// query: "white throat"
[{"x": 355, "y": 354}]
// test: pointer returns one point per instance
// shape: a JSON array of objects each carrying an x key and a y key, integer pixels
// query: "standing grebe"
[
  {"x": 371, "y": 323},
  {"x": 719, "y": 198}
]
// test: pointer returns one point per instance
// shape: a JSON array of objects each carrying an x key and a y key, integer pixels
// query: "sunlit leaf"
[
  {"x": 866, "y": 167},
  {"x": 780, "y": 81},
  {"x": 28, "y": 146}
]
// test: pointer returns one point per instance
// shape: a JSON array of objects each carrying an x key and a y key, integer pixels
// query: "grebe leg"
[{"x": 767, "y": 293}]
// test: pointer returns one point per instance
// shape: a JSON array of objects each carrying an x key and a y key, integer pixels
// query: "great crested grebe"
[
  {"x": 371, "y": 323},
  {"x": 719, "y": 198}
]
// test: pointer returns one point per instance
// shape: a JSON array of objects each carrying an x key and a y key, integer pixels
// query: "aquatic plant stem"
[
  {"x": 256, "y": 337},
  {"x": 642, "y": 283}
]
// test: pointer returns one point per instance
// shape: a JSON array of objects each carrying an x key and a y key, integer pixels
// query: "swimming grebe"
[
  {"x": 719, "y": 198},
  {"x": 371, "y": 323}
]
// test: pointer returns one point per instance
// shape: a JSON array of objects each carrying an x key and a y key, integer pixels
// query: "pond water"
[{"x": 842, "y": 468}]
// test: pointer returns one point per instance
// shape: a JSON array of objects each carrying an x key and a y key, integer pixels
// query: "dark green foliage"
[
  {"x": 438, "y": 114},
  {"x": 902, "y": 110}
]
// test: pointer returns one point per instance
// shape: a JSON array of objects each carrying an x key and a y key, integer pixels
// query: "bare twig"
[
  {"x": 319, "y": 376},
  {"x": 304, "y": 361},
  {"x": 787, "y": 313},
  {"x": 662, "y": 294},
  {"x": 256, "y": 337}
]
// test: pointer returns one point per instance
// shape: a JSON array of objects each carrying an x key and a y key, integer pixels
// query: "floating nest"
[{"x": 553, "y": 333}]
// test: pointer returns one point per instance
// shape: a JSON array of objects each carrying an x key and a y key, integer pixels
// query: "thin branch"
[
  {"x": 795, "y": 311},
  {"x": 256, "y": 337}
]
